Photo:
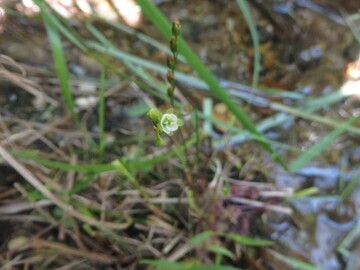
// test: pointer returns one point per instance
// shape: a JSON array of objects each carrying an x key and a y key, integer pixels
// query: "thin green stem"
[{"x": 102, "y": 113}]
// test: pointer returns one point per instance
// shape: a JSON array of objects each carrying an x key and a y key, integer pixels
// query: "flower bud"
[
  {"x": 170, "y": 91},
  {"x": 170, "y": 61},
  {"x": 176, "y": 28},
  {"x": 173, "y": 44},
  {"x": 154, "y": 115},
  {"x": 170, "y": 77}
]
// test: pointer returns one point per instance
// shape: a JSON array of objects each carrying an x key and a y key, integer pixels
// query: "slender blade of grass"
[
  {"x": 344, "y": 248},
  {"x": 90, "y": 168},
  {"x": 121, "y": 168},
  {"x": 102, "y": 113},
  {"x": 295, "y": 264},
  {"x": 110, "y": 49},
  {"x": 249, "y": 241},
  {"x": 200, "y": 238},
  {"x": 303, "y": 193},
  {"x": 151, "y": 41},
  {"x": 98, "y": 168},
  {"x": 255, "y": 39},
  {"x": 313, "y": 117},
  {"x": 56, "y": 23},
  {"x": 166, "y": 265},
  {"x": 309, "y": 105},
  {"x": 60, "y": 67},
  {"x": 219, "y": 250},
  {"x": 317, "y": 148},
  {"x": 351, "y": 185}
]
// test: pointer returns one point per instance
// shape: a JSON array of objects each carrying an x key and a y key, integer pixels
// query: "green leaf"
[
  {"x": 124, "y": 171},
  {"x": 201, "y": 237},
  {"x": 255, "y": 39},
  {"x": 53, "y": 20},
  {"x": 303, "y": 193},
  {"x": 295, "y": 264},
  {"x": 248, "y": 240},
  {"x": 138, "y": 109},
  {"x": 191, "y": 265},
  {"x": 60, "y": 66},
  {"x": 80, "y": 185},
  {"x": 221, "y": 251},
  {"x": 101, "y": 114},
  {"x": 351, "y": 185},
  {"x": 98, "y": 168},
  {"x": 317, "y": 148},
  {"x": 164, "y": 265}
]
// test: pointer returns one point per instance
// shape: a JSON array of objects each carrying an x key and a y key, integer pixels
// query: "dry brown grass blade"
[
  {"x": 21, "y": 81},
  {"x": 63, "y": 249},
  {"x": 17, "y": 261},
  {"x": 22, "y": 206},
  {"x": 29, "y": 135},
  {"x": 179, "y": 253},
  {"x": 17, "y": 136},
  {"x": 68, "y": 209},
  {"x": 47, "y": 128},
  {"x": 7, "y": 193},
  {"x": 72, "y": 265},
  {"x": 254, "y": 203}
]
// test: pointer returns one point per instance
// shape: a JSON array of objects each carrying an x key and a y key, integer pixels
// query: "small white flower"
[{"x": 169, "y": 123}]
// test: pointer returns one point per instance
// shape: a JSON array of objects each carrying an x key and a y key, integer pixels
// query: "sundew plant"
[{"x": 168, "y": 122}]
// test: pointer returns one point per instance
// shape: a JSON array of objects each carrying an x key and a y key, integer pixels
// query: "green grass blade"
[
  {"x": 295, "y": 264},
  {"x": 80, "y": 185},
  {"x": 58, "y": 25},
  {"x": 207, "y": 112},
  {"x": 191, "y": 265},
  {"x": 61, "y": 68},
  {"x": 303, "y": 193},
  {"x": 309, "y": 105},
  {"x": 159, "y": 20},
  {"x": 164, "y": 265},
  {"x": 106, "y": 47},
  {"x": 98, "y": 168},
  {"x": 65, "y": 166},
  {"x": 200, "y": 238},
  {"x": 245, "y": 240},
  {"x": 313, "y": 117},
  {"x": 219, "y": 250},
  {"x": 255, "y": 39},
  {"x": 96, "y": 33},
  {"x": 354, "y": 29},
  {"x": 102, "y": 113},
  {"x": 121, "y": 168},
  {"x": 134, "y": 63},
  {"x": 77, "y": 41},
  {"x": 345, "y": 246},
  {"x": 351, "y": 185},
  {"x": 218, "y": 143},
  {"x": 141, "y": 36},
  {"x": 317, "y": 148}
]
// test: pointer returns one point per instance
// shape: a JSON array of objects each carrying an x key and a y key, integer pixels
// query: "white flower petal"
[{"x": 169, "y": 123}]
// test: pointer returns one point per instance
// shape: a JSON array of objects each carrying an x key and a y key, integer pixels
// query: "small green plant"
[{"x": 169, "y": 121}]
